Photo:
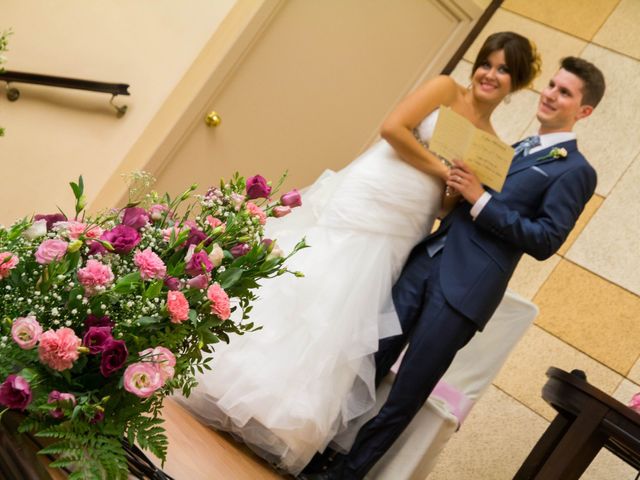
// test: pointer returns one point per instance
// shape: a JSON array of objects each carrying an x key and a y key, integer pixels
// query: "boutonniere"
[{"x": 555, "y": 153}]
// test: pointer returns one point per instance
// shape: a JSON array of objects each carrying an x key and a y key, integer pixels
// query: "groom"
[{"x": 455, "y": 278}]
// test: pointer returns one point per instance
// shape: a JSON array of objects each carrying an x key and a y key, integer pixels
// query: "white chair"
[{"x": 413, "y": 455}]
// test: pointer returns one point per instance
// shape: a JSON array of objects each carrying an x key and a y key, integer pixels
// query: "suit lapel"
[{"x": 520, "y": 164}]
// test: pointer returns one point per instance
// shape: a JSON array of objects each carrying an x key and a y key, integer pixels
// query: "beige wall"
[{"x": 53, "y": 135}]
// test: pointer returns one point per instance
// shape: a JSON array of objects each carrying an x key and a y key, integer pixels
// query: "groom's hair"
[{"x": 591, "y": 76}]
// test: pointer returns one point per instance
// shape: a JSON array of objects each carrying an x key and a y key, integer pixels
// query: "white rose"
[
  {"x": 216, "y": 255},
  {"x": 36, "y": 230}
]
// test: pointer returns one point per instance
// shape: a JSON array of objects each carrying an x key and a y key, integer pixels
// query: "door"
[{"x": 312, "y": 88}]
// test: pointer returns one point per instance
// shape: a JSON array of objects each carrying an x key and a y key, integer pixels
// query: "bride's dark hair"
[{"x": 520, "y": 55}]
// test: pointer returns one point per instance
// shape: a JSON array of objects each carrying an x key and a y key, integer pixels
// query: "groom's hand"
[{"x": 465, "y": 182}]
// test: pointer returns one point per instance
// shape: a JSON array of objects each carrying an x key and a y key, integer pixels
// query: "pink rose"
[
  {"x": 199, "y": 283},
  {"x": 8, "y": 262},
  {"x": 150, "y": 264},
  {"x": 142, "y": 379},
  {"x": 157, "y": 211},
  {"x": 26, "y": 331},
  {"x": 237, "y": 200},
  {"x": 122, "y": 238},
  {"x": 219, "y": 301},
  {"x": 257, "y": 212},
  {"x": 95, "y": 276},
  {"x": 257, "y": 187},
  {"x": 291, "y": 199},
  {"x": 281, "y": 211},
  {"x": 61, "y": 400},
  {"x": 59, "y": 348},
  {"x": 50, "y": 250},
  {"x": 199, "y": 263},
  {"x": 178, "y": 306},
  {"x": 163, "y": 359},
  {"x": 15, "y": 393}
]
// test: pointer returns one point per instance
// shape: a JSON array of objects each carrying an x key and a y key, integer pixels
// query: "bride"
[{"x": 287, "y": 389}]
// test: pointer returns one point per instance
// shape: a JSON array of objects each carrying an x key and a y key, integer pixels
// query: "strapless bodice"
[{"x": 380, "y": 192}]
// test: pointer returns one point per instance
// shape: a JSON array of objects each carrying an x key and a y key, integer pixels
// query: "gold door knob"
[{"x": 213, "y": 119}]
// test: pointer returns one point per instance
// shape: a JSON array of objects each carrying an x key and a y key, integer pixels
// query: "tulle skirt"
[{"x": 287, "y": 389}]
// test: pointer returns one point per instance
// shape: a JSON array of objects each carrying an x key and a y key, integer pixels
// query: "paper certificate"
[{"x": 487, "y": 156}]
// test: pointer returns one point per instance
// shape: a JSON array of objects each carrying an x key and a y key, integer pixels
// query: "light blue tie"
[{"x": 527, "y": 144}]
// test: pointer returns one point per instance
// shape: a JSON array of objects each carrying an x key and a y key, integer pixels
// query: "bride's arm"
[{"x": 398, "y": 127}]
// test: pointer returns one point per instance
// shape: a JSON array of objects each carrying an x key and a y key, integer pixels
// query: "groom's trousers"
[{"x": 434, "y": 332}]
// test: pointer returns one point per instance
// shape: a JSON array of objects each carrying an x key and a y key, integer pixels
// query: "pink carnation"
[
  {"x": 95, "y": 276},
  {"x": 175, "y": 230},
  {"x": 50, "y": 250},
  {"x": 257, "y": 212},
  {"x": 74, "y": 229},
  {"x": 163, "y": 359},
  {"x": 142, "y": 379},
  {"x": 216, "y": 222},
  {"x": 59, "y": 348},
  {"x": 150, "y": 264},
  {"x": 8, "y": 262},
  {"x": 219, "y": 301},
  {"x": 26, "y": 331},
  {"x": 178, "y": 306}
]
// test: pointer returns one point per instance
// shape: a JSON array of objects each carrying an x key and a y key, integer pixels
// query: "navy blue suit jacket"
[{"x": 534, "y": 213}]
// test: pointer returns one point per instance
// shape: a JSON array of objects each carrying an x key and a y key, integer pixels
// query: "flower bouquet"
[{"x": 102, "y": 317}]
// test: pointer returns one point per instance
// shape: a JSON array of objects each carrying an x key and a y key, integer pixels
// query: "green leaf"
[
  {"x": 154, "y": 289},
  {"x": 229, "y": 277}
]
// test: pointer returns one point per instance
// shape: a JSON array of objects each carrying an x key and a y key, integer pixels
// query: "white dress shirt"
[{"x": 547, "y": 140}]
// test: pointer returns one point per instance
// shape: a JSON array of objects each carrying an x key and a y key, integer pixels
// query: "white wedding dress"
[{"x": 287, "y": 389}]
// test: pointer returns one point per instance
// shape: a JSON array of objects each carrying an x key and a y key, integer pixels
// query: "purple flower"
[
  {"x": 135, "y": 217},
  {"x": 123, "y": 238},
  {"x": 93, "y": 321},
  {"x": 240, "y": 249},
  {"x": 198, "y": 263},
  {"x": 50, "y": 219},
  {"x": 15, "y": 392},
  {"x": 114, "y": 355},
  {"x": 96, "y": 248},
  {"x": 97, "y": 339},
  {"x": 98, "y": 417},
  {"x": 291, "y": 199},
  {"x": 195, "y": 237},
  {"x": 257, "y": 187},
  {"x": 172, "y": 283},
  {"x": 60, "y": 399}
]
